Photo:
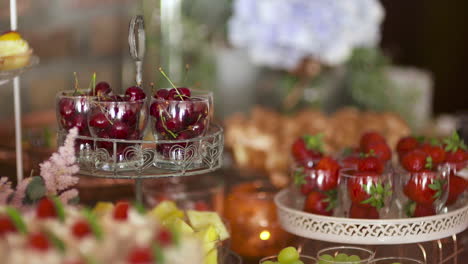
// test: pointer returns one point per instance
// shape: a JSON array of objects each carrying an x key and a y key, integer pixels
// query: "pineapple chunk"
[
  {"x": 181, "y": 226},
  {"x": 167, "y": 209},
  {"x": 201, "y": 220},
  {"x": 209, "y": 236},
  {"x": 211, "y": 257},
  {"x": 102, "y": 208}
]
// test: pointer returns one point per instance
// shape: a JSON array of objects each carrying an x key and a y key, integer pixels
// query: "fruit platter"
[{"x": 370, "y": 195}]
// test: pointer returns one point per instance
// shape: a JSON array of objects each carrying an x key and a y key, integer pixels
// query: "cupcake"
[{"x": 14, "y": 51}]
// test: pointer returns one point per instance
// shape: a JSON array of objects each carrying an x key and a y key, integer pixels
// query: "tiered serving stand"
[{"x": 141, "y": 160}]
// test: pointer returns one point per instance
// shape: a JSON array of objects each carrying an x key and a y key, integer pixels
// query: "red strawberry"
[
  {"x": 357, "y": 211},
  {"x": 424, "y": 187},
  {"x": 370, "y": 137},
  {"x": 327, "y": 174},
  {"x": 371, "y": 164},
  {"x": 140, "y": 256},
  {"x": 457, "y": 185},
  {"x": 457, "y": 156},
  {"x": 321, "y": 203},
  {"x": 6, "y": 226},
  {"x": 406, "y": 144},
  {"x": 366, "y": 190},
  {"x": 46, "y": 209},
  {"x": 307, "y": 149},
  {"x": 164, "y": 237},
  {"x": 121, "y": 211},
  {"x": 414, "y": 161},
  {"x": 350, "y": 162},
  {"x": 436, "y": 152},
  {"x": 419, "y": 210},
  {"x": 38, "y": 241},
  {"x": 81, "y": 228},
  {"x": 380, "y": 149}
]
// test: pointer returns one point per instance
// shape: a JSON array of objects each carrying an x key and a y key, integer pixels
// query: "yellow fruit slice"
[
  {"x": 102, "y": 208},
  {"x": 200, "y": 220},
  {"x": 209, "y": 236},
  {"x": 211, "y": 257},
  {"x": 12, "y": 35},
  {"x": 166, "y": 209},
  {"x": 182, "y": 227}
]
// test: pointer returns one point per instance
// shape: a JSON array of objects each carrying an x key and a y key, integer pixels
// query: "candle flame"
[{"x": 265, "y": 235}]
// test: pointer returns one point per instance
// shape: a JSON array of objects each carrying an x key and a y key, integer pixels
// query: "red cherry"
[
  {"x": 162, "y": 94},
  {"x": 121, "y": 211},
  {"x": 101, "y": 89},
  {"x": 174, "y": 125},
  {"x": 414, "y": 161},
  {"x": 67, "y": 107},
  {"x": 370, "y": 137},
  {"x": 140, "y": 256},
  {"x": 46, "y": 209},
  {"x": 318, "y": 203},
  {"x": 81, "y": 228},
  {"x": 135, "y": 93},
  {"x": 164, "y": 237},
  {"x": 6, "y": 226},
  {"x": 38, "y": 241},
  {"x": 198, "y": 129},
  {"x": 119, "y": 130},
  {"x": 179, "y": 94},
  {"x": 81, "y": 123},
  {"x": 99, "y": 120}
]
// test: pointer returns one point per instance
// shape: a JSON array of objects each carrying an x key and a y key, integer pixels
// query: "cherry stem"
[
  {"x": 76, "y": 83},
  {"x": 152, "y": 88},
  {"x": 169, "y": 80},
  {"x": 165, "y": 127}
]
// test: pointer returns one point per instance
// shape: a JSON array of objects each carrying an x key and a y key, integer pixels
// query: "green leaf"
[
  {"x": 409, "y": 208},
  {"x": 93, "y": 222},
  {"x": 56, "y": 241},
  {"x": 299, "y": 178},
  {"x": 380, "y": 188},
  {"x": 158, "y": 255},
  {"x": 314, "y": 142},
  {"x": 17, "y": 219},
  {"x": 35, "y": 189},
  {"x": 369, "y": 200},
  {"x": 454, "y": 142},
  {"x": 59, "y": 208},
  {"x": 139, "y": 208},
  {"x": 429, "y": 163}
]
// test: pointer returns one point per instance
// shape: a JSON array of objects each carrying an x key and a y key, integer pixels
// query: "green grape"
[
  {"x": 326, "y": 259},
  {"x": 298, "y": 261},
  {"x": 269, "y": 262},
  {"x": 341, "y": 257},
  {"x": 354, "y": 259},
  {"x": 288, "y": 255}
]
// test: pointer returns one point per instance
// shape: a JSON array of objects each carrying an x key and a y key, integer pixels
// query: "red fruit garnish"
[
  {"x": 179, "y": 94},
  {"x": 424, "y": 187},
  {"x": 357, "y": 211},
  {"x": 414, "y": 161},
  {"x": 121, "y": 211},
  {"x": 101, "y": 89},
  {"x": 81, "y": 228},
  {"x": 140, "y": 256},
  {"x": 459, "y": 155},
  {"x": 201, "y": 206},
  {"x": 307, "y": 149},
  {"x": 457, "y": 185},
  {"x": 370, "y": 137},
  {"x": 162, "y": 94},
  {"x": 366, "y": 190},
  {"x": 406, "y": 144},
  {"x": 6, "y": 226},
  {"x": 436, "y": 152},
  {"x": 321, "y": 203},
  {"x": 38, "y": 241},
  {"x": 164, "y": 237},
  {"x": 327, "y": 174},
  {"x": 135, "y": 93},
  {"x": 46, "y": 209},
  {"x": 350, "y": 162},
  {"x": 370, "y": 164},
  {"x": 380, "y": 149},
  {"x": 419, "y": 210}
]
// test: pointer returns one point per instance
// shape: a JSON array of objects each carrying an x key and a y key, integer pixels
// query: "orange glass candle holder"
[{"x": 251, "y": 214}]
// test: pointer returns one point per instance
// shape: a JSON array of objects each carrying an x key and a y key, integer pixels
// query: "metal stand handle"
[{"x": 136, "y": 42}]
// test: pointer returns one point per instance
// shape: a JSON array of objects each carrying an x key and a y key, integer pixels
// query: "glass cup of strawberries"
[
  {"x": 177, "y": 115},
  {"x": 117, "y": 123},
  {"x": 366, "y": 191}
]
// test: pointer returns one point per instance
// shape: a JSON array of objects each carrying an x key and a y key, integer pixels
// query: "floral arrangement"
[
  {"x": 280, "y": 34},
  {"x": 56, "y": 179}
]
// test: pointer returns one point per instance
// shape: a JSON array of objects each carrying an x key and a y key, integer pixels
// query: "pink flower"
[
  {"x": 66, "y": 196},
  {"x": 5, "y": 190},
  {"x": 20, "y": 193},
  {"x": 58, "y": 171}
]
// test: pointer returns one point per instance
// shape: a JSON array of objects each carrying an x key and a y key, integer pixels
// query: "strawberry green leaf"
[
  {"x": 409, "y": 208},
  {"x": 332, "y": 199},
  {"x": 56, "y": 241},
  {"x": 158, "y": 255},
  {"x": 59, "y": 208},
  {"x": 299, "y": 178},
  {"x": 17, "y": 220},
  {"x": 454, "y": 143},
  {"x": 93, "y": 222},
  {"x": 314, "y": 142},
  {"x": 429, "y": 163}
]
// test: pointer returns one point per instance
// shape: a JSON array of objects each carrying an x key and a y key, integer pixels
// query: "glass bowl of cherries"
[
  {"x": 118, "y": 122},
  {"x": 179, "y": 116}
]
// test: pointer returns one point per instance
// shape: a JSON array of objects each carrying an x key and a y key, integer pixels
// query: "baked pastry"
[{"x": 14, "y": 51}]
